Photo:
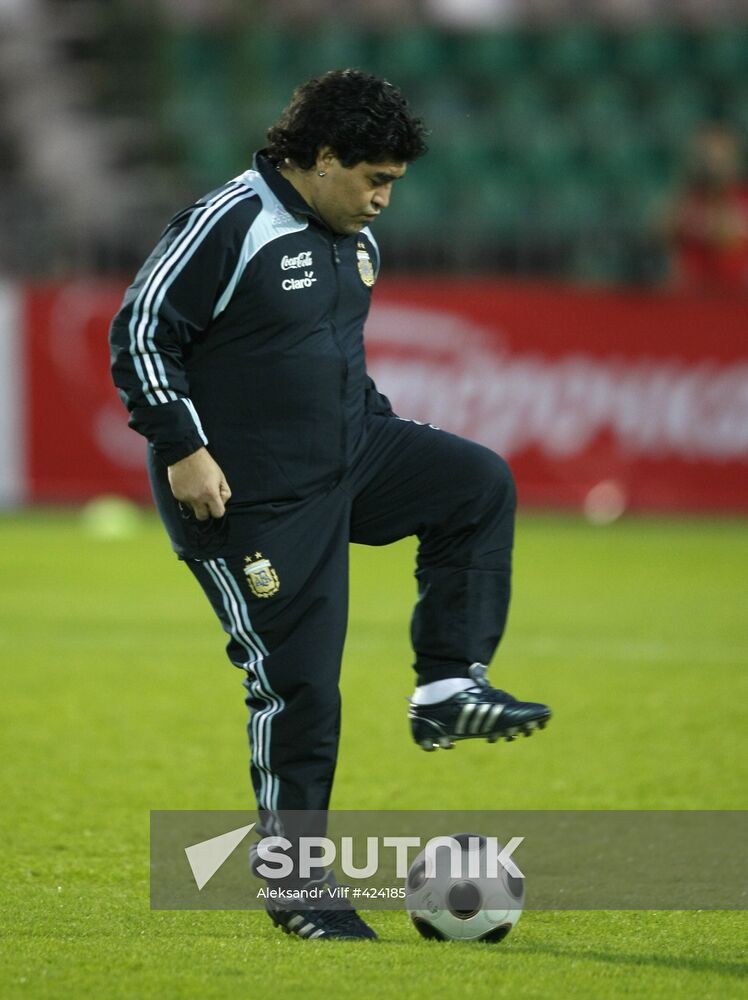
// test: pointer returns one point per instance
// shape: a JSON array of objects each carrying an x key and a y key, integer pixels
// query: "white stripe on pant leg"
[
  {"x": 266, "y": 717},
  {"x": 254, "y": 652},
  {"x": 239, "y": 596},
  {"x": 238, "y": 632},
  {"x": 241, "y": 629},
  {"x": 259, "y": 686}
]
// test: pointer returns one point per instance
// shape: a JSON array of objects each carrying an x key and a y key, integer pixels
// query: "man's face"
[
  {"x": 349, "y": 198},
  {"x": 716, "y": 157}
]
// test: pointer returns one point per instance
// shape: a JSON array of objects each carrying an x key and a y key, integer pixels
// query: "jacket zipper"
[{"x": 344, "y": 379}]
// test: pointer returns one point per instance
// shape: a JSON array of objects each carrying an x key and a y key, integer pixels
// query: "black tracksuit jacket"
[{"x": 243, "y": 331}]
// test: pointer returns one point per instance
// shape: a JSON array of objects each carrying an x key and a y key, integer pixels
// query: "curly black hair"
[{"x": 359, "y": 116}]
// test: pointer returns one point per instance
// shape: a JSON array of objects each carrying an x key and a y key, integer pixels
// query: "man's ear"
[{"x": 325, "y": 158}]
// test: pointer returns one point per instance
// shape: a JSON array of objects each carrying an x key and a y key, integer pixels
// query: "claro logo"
[
  {"x": 293, "y": 284},
  {"x": 303, "y": 259}
]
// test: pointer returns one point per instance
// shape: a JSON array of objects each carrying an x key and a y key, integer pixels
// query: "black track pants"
[{"x": 277, "y": 577}]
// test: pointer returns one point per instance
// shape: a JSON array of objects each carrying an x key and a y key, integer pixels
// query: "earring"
[{"x": 322, "y": 173}]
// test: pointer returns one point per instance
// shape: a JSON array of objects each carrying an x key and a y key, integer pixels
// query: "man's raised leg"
[{"x": 458, "y": 498}]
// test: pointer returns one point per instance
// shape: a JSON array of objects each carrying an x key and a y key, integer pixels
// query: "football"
[{"x": 464, "y": 900}]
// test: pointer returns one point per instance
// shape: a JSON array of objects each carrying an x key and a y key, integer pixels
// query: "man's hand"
[{"x": 198, "y": 481}]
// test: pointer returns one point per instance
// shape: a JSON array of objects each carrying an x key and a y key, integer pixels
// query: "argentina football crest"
[
  {"x": 365, "y": 264},
  {"x": 262, "y": 579}
]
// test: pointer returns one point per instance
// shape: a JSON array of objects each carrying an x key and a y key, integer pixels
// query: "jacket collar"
[{"x": 284, "y": 191}]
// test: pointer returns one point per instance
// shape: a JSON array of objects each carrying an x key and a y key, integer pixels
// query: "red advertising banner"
[
  {"x": 78, "y": 441},
  {"x": 624, "y": 399}
]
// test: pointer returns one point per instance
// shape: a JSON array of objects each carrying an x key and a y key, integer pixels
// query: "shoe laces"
[{"x": 477, "y": 672}]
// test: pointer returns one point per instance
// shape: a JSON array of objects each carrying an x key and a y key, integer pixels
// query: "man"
[
  {"x": 239, "y": 353},
  {"x": 707, "y": 225}
]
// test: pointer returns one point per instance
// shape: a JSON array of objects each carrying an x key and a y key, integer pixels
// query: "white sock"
[{"x": 430, "y": 694}]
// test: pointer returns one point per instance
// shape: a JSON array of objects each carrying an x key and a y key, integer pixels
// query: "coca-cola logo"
[{"x": 304, "y": 259}]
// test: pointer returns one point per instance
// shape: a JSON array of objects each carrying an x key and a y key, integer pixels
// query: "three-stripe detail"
[
  {"x": 239, "y": 626},
  {"x": 475, "y": 718},
  {"x": 308, "y": 930},
  {"x": 147, "y": 360}
]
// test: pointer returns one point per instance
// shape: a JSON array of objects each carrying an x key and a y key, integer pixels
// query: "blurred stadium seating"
[{"x": 554, "y": 146}]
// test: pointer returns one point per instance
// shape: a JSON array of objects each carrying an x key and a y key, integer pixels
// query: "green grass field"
[{"x": 117, "y": 698}]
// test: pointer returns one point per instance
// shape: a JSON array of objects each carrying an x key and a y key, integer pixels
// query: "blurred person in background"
[
  {"x": 707, "y": 226},
  {"x": 239, "y": 352}
]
